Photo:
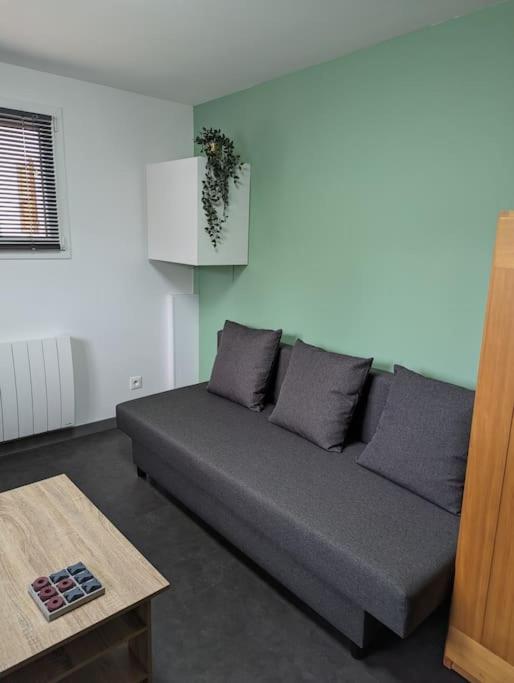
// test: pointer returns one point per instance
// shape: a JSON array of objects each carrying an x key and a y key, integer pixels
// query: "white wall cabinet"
[{"x": 176, "y": 220}]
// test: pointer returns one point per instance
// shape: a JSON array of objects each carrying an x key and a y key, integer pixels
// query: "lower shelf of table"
[
  {"x": 101, "y": 654},
  {"x": 116, "y": 666}
]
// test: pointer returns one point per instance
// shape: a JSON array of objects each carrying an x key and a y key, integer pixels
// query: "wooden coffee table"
[{"x": 49, "y": 525}]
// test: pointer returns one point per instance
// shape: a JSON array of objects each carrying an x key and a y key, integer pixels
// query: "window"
[{"x": 30, "y": 211}]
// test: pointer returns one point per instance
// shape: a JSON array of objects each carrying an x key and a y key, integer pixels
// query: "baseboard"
[{"x": 48, "y": 438}]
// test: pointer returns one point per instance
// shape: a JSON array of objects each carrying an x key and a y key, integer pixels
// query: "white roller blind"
[{"x": 28, "y": 195}]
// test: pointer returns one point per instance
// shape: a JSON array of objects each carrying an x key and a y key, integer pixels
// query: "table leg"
[{"x": 141, "y": 645}]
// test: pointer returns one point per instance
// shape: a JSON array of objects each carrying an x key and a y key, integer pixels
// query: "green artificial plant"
[{"x": 223, "y": 165}]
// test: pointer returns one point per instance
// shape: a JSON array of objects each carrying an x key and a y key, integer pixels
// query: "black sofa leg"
[
  {"x": 141, "y": 473},
  {"x": 358, "y": 652}
]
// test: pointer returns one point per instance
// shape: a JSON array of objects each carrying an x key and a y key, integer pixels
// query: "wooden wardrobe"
[{"x": 480, "y": 643}]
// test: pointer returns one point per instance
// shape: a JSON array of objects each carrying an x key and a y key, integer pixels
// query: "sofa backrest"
[{"x": 371, "y": 404}]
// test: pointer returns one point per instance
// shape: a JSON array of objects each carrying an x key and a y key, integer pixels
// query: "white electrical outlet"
[{"x": 135, "y": 382}]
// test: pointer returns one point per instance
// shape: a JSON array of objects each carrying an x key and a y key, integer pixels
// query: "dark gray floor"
[{"x": 224, "y": 621}]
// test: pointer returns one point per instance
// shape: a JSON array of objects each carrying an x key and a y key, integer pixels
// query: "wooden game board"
[
  {"x": 42, "y": 526},
  {"x": 64, "y": 590}
]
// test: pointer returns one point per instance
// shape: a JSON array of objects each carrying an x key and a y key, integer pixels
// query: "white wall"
[{"x": 108, "y": 296}]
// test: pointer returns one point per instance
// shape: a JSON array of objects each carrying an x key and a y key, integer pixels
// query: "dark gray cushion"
[
  {"x": 243, "y": 366},
  {"x": 386, "y": 548},
  {"x": 371, "y": 402},
  {"x": 422, "y": 438},
  {"x": 319, "y": 394}
]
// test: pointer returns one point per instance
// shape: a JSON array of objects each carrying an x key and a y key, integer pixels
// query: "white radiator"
[{"x": 36, "y": 387}]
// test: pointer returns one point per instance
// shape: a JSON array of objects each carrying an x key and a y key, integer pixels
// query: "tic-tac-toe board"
[{"x": 64, "y": 590}]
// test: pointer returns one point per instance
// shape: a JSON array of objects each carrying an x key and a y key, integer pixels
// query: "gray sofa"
[{"x": 357, "y": 548}]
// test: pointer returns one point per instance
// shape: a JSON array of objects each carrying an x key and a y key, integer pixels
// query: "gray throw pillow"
[
  {"x": 243, "y": 365},
  {"x": 422, "y": 438},
  {"x": 319, "y": 394}
]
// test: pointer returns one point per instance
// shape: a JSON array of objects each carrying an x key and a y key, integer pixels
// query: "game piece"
[
  {"x": 91, "y": 586},
  {"x": 73, "y": 595},
  {"x": 76, "y": 568},
  {"x": 59, "y": 576},
  {"x": 54, "y": 603},
  {"x": 65, "y": 585},
  {"x": 40, "y": 583},
  {"x": 82, "y": 577},
  {"x": 64, "y": 590},
  {"x": 47, "y": 593}
]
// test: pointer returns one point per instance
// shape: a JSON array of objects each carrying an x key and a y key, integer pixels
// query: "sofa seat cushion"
[{"x": 388, "y": 549}]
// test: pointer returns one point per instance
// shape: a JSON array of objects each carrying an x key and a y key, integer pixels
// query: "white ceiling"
[{"x": 195, "y": 50}]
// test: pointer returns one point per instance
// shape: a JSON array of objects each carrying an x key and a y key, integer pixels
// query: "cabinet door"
[{"x": 498, "y": 633}]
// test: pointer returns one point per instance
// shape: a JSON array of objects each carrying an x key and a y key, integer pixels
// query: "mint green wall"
[{"x": 376, "y": 183}]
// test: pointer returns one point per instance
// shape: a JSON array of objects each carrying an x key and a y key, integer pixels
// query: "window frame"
[{"x": 60, "y": 183}]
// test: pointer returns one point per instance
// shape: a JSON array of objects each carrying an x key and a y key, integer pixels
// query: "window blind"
[{"x": 28, "y": 196}]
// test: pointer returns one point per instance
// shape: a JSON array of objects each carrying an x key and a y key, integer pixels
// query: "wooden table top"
[{"x": 44, "y": 527}]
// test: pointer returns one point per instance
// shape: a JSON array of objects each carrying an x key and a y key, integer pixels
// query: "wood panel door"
[{"x": 498, "y": 633}]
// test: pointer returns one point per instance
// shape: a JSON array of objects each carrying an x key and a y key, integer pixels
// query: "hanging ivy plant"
[{"x": 223, "y": 165}]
